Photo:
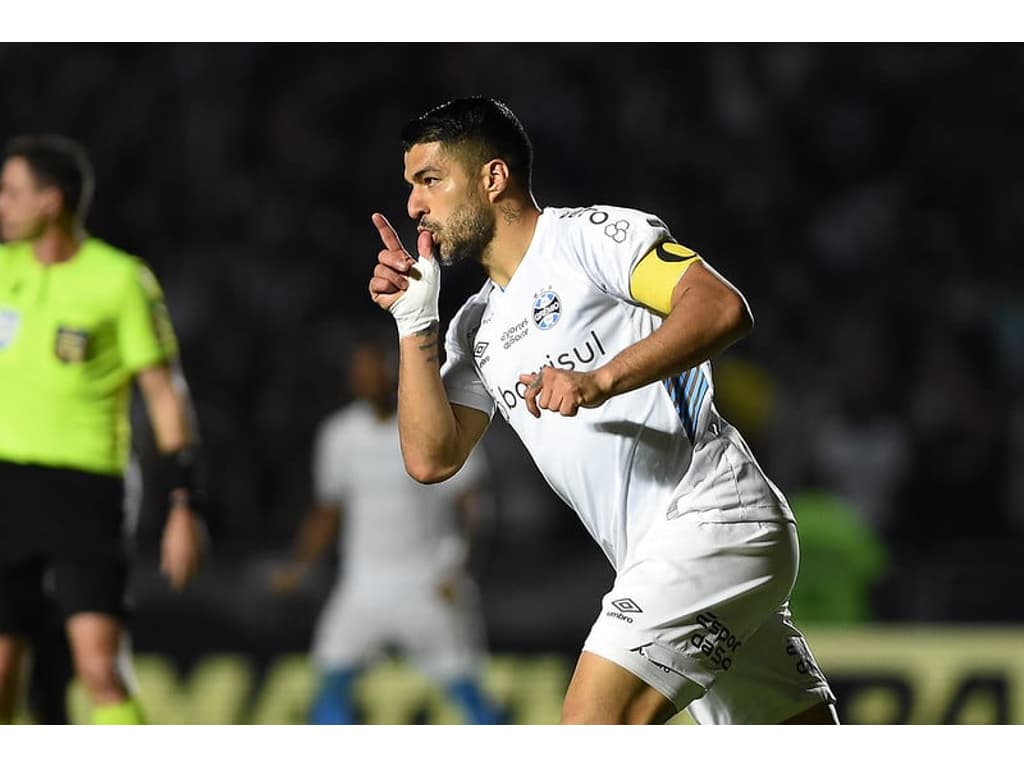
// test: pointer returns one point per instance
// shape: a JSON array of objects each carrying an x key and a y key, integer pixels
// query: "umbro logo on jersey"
[
  {"x": 479, "y": 352},
  {"x": 674, "y": 252},
  {"x": 626, "y": 605}
]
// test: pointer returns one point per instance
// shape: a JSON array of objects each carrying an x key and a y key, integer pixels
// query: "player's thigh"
[
  {"x": 774, "y": 679},
  {"x": 351, "y": 627},
  {"x": 683, "y": 606},
  {"x": 444, "y": 634},
  {"x": 602, "y": 692}
]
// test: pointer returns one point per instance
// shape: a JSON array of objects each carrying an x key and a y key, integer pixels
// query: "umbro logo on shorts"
[
  {"x": 626, "y": 605},
  {"x": 623, "y": 606}
]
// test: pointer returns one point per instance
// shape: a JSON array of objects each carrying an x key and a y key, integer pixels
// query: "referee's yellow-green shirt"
[{"x": 72, "y": 336}]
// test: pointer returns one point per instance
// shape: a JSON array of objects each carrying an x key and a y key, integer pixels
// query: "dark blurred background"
[{"x": 867, "y": 199}]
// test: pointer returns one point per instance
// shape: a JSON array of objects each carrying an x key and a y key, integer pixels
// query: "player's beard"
[{"x": 467, "y": 234}]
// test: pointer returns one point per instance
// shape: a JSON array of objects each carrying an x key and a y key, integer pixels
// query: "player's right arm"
[{"x": 436, "y": 436}]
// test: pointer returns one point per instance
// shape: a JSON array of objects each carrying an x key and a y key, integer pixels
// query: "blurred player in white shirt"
[
  {"x": 404, "y": 579},
  {"x": 591, "y": 336}
]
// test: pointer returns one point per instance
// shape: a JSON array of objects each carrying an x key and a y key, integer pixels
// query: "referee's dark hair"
[{"x": 61, "y": 162}]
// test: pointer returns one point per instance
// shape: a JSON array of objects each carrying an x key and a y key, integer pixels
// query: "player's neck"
[
  {"x": 57, "y": 244},
  {"x": 514, "y": 229}
]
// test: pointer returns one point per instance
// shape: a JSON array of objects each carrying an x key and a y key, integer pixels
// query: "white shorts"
[
  {"x": 364, "y": 617},
  {"x": 701, "y": 615}
]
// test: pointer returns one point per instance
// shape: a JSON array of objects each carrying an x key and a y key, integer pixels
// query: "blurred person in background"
[
  {"x": 843, "y": 559},
  {"x": 80, "y": 321},
  {"x": 404, "y": 578},
  {"x": 591, "y": 336}
]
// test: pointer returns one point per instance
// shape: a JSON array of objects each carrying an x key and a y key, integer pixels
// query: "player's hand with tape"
[{"x": 407, "y": 288}]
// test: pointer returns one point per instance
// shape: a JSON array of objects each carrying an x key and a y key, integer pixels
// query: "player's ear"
[{"x": 495, "y": 178}]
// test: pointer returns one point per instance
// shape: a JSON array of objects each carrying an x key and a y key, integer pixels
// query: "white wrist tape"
[{"x": 417, "y": 308}]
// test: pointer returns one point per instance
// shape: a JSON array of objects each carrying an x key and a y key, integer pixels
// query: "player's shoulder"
[
  {"x": 602, "y": 222},
  {"x": 598, "y": 214}
]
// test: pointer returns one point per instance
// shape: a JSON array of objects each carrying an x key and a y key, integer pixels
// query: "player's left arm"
[{"x": 703, "y": 315}]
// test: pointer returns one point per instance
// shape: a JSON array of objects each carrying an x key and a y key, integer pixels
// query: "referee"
[{"x": 79, "y": 321}]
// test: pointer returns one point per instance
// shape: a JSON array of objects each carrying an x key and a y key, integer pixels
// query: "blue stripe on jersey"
[
  {"x": 698, "y": 399},
  {"x": 680, "y": 388},
  {"x": 687, "y": 391},
  {"x": 672, "y": 385}
]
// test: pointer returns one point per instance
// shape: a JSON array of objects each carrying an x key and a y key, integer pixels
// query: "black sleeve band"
[{"x": 178, "y": 471}]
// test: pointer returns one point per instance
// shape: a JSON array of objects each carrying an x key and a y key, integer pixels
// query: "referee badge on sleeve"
[{"x": 72, "y": 345}]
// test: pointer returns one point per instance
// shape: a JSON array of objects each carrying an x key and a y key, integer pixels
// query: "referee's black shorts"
[{"x": 60, "y": 529}]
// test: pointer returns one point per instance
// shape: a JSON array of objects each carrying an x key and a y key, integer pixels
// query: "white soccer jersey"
[
  {"x": 393, "y": 528},
  {"x": 638, "y": 457}
]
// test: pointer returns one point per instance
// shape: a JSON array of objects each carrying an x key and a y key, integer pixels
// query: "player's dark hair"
[
  {"x": 478, "y": 129},
  {"x": 57, "y": 161}
]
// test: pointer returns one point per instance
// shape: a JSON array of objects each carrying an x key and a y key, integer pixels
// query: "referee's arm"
[{"x": 168, "y": 414}]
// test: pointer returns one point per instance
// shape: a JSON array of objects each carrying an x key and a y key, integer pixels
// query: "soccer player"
[
  {"x": 80, "y": 321},
  {"x": 404, "y": 554},
  {"x": 591, "y": 337}
]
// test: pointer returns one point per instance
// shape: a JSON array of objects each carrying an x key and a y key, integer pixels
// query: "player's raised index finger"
[{"x": 387, "y": 233}]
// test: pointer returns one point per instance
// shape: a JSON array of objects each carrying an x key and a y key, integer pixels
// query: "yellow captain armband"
[{"x": 656, "y": 274}]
